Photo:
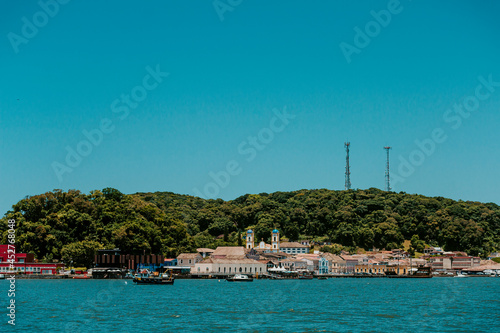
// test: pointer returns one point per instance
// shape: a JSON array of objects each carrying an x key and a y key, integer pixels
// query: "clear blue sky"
[{"x": 226, "y": 77}]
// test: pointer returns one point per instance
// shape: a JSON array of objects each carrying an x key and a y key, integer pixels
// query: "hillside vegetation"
[{"x": 64, "y": 225}]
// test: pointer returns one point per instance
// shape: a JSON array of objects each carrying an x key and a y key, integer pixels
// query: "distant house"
[
  {"x": 323, "y": 266},
  {"x": 312, "y": 265},
  {"x": 169, "y": 262},
  {"x": 188, "y": 259},
  {"x": 293, "y": 248},
  {"x": 336, "y": 263},
  {"x": 493, "y": 255},
  {"x": 24, "y": 263},
  {"x": 293, "y": 264},
  {"x": 350, "y": 265},
  {"x": 457, "y": 262},
  {"x": 305, "y": 242},
  {"x": 399, "y": 254},
  {"x": 433, "y": 251},
  {"x": 272, "y": 256},
  {"x": 372, "y": 269}
]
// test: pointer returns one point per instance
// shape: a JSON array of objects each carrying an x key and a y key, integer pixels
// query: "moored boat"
[
  {"x": 147, "y": 278},
  {"x": 422, "y": 272},
  {"x": 239, "y": 278}
]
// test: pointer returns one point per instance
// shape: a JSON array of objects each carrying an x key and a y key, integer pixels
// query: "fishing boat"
[
  {"x": 239, "y": 278},
  {"x": 421, "y": 272},
  {"x": 148, "y": 278}
]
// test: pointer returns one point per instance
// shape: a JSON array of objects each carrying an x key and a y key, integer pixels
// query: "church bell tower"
[
  {"x": 275, "y": 241},
  {"x": 250, "y": 239}
]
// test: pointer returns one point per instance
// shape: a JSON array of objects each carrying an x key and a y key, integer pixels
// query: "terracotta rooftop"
[
  {"x": 235, "y": 261},
  {"x": 188, "y": 255},
  {"x": 292, "y": 245},
  {"x": 205, "y": 250},
  {"x": 233, "y": 252}
]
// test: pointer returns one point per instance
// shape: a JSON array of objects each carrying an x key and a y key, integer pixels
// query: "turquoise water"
[{"x": 334, "y": 305}]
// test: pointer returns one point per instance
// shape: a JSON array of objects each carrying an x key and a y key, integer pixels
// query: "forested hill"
[{"x": 58, "y": 224}]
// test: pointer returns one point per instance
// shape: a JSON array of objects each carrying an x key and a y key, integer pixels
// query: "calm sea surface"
[{"x": 334, "y": 305}]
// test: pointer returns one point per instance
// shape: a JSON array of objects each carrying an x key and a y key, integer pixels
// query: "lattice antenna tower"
[
  {"x": 387, "y": 174},
  {"x": 347, "y": 169}
]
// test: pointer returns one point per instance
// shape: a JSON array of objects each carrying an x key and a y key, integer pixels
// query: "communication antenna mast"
[
  {"x": 387, "y": 175},
  {"x": 347, "y": 169}
]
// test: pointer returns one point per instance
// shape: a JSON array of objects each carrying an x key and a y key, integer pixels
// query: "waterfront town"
[{"x": 278, "y": 260}]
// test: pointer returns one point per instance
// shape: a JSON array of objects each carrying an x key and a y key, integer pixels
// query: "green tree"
[{"x": 81, "y": 253}]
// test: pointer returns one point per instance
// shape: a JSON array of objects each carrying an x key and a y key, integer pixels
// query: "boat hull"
[
  {"x": 421, "y": 273},
  {"x": 239, "y": 280},
  {"x": 153, "y": 280}
]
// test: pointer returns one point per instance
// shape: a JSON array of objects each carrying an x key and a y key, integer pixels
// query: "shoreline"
[{"x": 198, "y": 277}]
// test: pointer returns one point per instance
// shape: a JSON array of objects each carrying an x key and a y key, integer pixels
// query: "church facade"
[{"x": 274, "y": 247}]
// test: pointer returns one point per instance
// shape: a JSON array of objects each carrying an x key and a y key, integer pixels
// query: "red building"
[{"x": 25, "y": 263}]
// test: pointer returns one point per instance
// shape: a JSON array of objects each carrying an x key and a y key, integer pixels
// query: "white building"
[
  {"x": 226, "y": 267},
  {"x": 188, "y": 259},
  {"x": 293, "y": 248}
]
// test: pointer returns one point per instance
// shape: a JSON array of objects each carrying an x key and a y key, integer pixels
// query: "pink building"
[{"x": 24, "y": 263}]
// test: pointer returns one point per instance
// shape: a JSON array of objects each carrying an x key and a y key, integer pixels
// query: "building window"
[
  {"x": 189, "y": 260},
  {"x": 198, "y": 269},
  {"x": 229, "y": 269},
  {"x": 241, "y": 270},
  {"x": 21, "y": 260}
]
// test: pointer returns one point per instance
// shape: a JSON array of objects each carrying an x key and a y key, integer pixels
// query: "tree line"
[{"x": 72, "y": 225}]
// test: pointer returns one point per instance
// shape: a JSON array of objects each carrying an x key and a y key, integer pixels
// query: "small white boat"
[
  {"x": 240, "y": 278},
  {"x": 460, "y": 275}
]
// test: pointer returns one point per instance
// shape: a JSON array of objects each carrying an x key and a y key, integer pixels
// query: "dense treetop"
[{"x": 61, "y": 224}]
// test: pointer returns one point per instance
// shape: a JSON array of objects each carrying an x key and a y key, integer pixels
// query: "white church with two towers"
[{"x": 274, "y": 247}]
